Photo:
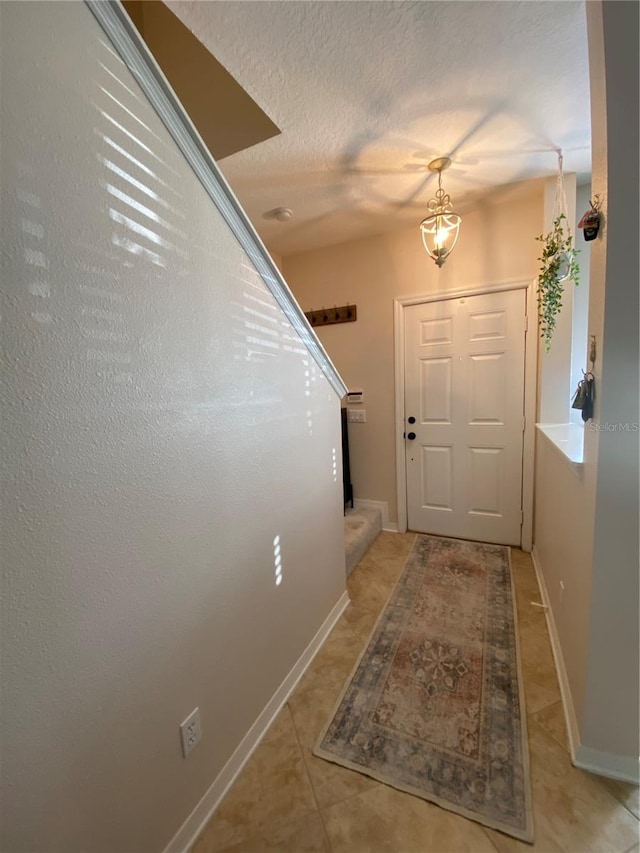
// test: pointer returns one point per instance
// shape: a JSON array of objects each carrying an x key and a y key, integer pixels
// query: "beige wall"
[
  {"x": 586, "y": 519},
  {"x": 554, "y": 366},
  {"x": 496, "y": 244},
  {"x": 565, "y": 493},
  {"x": 611, "y": 710},
  {"x": 563, "y": 541}
]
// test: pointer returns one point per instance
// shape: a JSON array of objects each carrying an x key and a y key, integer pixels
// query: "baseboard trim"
[
  {"x": 573, "y": 733},
  {"x": 622, "y": 767},
  {"x": 196, "y": 821},
  {"x": 383, "y": 506}
]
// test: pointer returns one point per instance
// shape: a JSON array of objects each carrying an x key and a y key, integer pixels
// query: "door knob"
[
  {"x": 411, "y": 436},
  {"x": 411, "y": 420}
]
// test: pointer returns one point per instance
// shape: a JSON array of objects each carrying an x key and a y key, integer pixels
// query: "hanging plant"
[{"x": 559, "y": 263}]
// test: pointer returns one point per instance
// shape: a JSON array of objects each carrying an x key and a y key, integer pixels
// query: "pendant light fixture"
[{"x": 440, "y": 229}]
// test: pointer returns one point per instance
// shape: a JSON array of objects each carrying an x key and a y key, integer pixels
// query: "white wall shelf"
[{"x": 567, "y": 438}]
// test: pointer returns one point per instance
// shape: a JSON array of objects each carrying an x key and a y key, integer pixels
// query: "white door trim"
[{"x": 531, "y": 359}]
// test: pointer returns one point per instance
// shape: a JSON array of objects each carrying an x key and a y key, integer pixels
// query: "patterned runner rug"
[{"x": 435, "y": 705}]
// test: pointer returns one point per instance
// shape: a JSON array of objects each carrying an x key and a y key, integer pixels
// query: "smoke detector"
[{"x": 281, "y": 214}]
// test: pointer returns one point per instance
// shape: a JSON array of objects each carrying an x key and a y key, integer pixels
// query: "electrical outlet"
[{"x": 190, "y": 732}]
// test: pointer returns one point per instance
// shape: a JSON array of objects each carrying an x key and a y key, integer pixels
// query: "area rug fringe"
[{"x": 523, "y": 831}]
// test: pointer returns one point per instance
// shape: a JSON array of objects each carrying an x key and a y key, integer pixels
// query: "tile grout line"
[
  {"x": 403, "y": 557},
  {"x": 548, "y": 734},
  {"x": 534, "y": 714},
  {"x": 320, "y": 811},
  {"x": 348, "y": 624},
  {"x": 594, "y": 775},
  {"x": 306, "y": 770},
  {"x": 532, "y": 722},
  {"x": 490, "y": 839},
  {"x": 624, "y": 805}
]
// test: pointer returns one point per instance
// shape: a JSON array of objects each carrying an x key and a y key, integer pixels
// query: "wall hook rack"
[{"x": 330, "y": 316}]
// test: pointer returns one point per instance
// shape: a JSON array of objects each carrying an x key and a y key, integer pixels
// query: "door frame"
[{"x": 530, "y": 384}]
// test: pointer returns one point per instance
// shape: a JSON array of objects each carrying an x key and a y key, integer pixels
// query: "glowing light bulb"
[{"x": 441, "y": 228}]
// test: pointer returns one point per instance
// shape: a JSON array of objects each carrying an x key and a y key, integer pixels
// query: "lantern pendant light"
[{"x": 440, "y": 229}]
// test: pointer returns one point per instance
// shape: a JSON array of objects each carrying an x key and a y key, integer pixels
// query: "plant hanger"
[
  {"x": 558, "y": 262},
  {"x": 560, "y": 211}
]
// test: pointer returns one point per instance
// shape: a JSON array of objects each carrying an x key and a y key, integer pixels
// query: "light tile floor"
[{"x": 289, "y": 801}]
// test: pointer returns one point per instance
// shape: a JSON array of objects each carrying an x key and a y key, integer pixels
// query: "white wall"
[
  {"x": 496, "y": 244},
  {"x": 162, "y": 423}
]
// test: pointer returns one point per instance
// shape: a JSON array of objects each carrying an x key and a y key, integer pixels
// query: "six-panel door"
[{"x": 464, "y": 385}]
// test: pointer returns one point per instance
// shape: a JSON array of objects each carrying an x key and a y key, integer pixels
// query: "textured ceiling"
[
  {"x": 367, "y": 93},
  {"x": 227, "y": 119}
]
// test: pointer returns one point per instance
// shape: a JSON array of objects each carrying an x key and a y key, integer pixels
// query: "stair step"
[{"x": 361, "y": 526}]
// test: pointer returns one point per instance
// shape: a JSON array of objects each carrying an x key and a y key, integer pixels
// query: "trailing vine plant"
[{"x": 558, "y": 263}]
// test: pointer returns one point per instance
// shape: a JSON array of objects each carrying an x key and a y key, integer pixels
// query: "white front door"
[{"x": 464, "y": 416}]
